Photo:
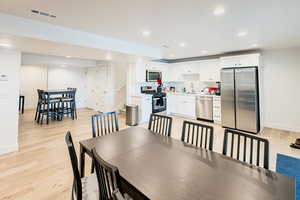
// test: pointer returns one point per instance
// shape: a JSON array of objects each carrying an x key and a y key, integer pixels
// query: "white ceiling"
[
  {"x": 43, "y": 47},
  {"x": 269, "y": 23}
]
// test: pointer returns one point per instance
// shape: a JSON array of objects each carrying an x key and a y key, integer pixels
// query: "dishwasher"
[{"x": 204, "y": 108}]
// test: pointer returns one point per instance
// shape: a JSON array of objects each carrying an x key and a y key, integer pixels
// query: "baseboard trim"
[
  {"x": 9, "y": 149},
  {"x": 281, "y": 127}
]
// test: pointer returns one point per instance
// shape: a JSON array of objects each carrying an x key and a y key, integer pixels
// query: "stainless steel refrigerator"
[{"x": 240, "y": 99}]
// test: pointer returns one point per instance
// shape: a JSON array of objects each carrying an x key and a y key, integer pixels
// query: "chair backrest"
[
  {"x": 160, "y": 124},
  {"x": 104, "y": 123},
  {"x": 41, "y": 95},
  {"x": 71, "y": 93},
  {"x": 198, "y": 135},
  {"x": 238, "y": 147},
  {"x": 77, "y": 185},
  {"x": 107, "y": 175}
]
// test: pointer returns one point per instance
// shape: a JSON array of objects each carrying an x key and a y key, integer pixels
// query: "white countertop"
[
  {"x": 176, "y": 93},
  {"x": 141, "y": 95},
  {"x": 191, "y": 94}
]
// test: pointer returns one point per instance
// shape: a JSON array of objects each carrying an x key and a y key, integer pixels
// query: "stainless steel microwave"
[{"x": 153, "y": 75}]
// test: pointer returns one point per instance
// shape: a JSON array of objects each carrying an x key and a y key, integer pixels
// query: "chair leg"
[
  {"x": 36, "y": 111},
  {"x": 48, "y": 113},
  {"x": 75, "y": 110},
  {"x": 39, "y": 113},
  {"x": 72, "y": 110},
  {"x": 41, "y": 110},
  {"x": 93, "y": 167},
  {"x": 72, "y": 194}
]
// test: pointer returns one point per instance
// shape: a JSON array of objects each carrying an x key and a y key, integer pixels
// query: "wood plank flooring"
[{"x": 42, "y": 170}]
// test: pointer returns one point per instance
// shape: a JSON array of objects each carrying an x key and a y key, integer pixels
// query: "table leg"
[
  {"x": 19, "y": 103},
  {"x": 82, "y": 161},
  {"x": 23, "y": 104}
]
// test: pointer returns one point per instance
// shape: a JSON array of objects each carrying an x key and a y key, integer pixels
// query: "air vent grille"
[{"x": 37, "y": 12}]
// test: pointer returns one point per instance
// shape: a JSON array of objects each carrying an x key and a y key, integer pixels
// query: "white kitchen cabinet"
[
  {"x": 144, "y": 103},
  {"x": 240, "y": 61},
  {"x": 182, "y": 105},
  {"x": 140, "y": 72},
  {"x": 217, "y": 109},
  {"x": 249, "y": 60},
  {"x": 170, "y": 103}
]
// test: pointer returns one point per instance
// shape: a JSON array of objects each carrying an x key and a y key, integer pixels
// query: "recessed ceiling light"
[
  {"x": 171, "y": 55},
  {"x": 5, "y": 45},
  {"x": 68, "y": 56},
  {"x": 242, "y": 34},
  {"x": 219, "y": 10},
  {"x": 254, "y": 45},
  {"x": 204, "y": 52},
  {"x": 146, "y": 33},
  {"x": 183, "y": 44}
]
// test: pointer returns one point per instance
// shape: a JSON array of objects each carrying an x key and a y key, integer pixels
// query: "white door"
[{"x": 97, "y": 79}]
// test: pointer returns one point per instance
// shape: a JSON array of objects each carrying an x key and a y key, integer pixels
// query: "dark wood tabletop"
[
  {"x": 57, "y": 91},
  {"x": 163, "y": 168}
]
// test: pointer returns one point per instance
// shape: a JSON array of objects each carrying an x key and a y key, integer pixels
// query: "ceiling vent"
[{"x": 37, "y": 12}]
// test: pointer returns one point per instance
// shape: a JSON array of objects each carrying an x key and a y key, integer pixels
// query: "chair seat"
[{"x": 90, "y": 190}]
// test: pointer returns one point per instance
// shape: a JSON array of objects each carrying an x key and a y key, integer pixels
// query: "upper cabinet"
[
  {"x": 140, "y": 69},
  {"x": 240, "y": 61}
]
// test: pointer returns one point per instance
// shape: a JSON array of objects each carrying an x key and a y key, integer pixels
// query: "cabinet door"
[
  {"x": 230, "y": 62},
  {"x": 140, "y": 70},
  {"x": 170, "y": 104},
  {"x": 249, "y": 60},
  {"x": 189, "y": 108}
]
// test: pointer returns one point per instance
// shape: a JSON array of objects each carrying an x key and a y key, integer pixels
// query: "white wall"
[
  {"x": 32, "y": 78},
  {"x": 281, "y": 79},
  {"x": 59, "y": 77},
  {"x": 10, "y": 62},
  {"x": 40, "y": 77}
]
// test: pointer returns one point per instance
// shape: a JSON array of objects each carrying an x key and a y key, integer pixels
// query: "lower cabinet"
[
  {"x": 217, "y": 109},
  {"x": 181, "y": 105}
]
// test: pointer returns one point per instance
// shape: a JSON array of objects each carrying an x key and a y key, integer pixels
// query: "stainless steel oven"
[
  {"x": 153, "y": 75},
  {"x": 159, "y": 102}
]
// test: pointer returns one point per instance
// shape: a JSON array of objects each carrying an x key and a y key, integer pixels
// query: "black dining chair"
[
  {"x": 39, "y": 104},
  {"x": 48, "y": 107},
  {"x": 68, "y": 103},
  {"x": 105, "y": 123},
  {"x": 108, "y": 179},
  {"x": 85, "y": 188},
  {"x": 247, "y": 148},
  {"x": 198, "y": 135},
  {"x": 160, "y": 124}
]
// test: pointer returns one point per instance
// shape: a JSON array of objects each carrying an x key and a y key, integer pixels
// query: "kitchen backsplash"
[{"x": 191, "y": 86}]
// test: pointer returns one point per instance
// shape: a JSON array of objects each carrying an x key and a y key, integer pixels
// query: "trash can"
[{"x": 132, "y": 115}]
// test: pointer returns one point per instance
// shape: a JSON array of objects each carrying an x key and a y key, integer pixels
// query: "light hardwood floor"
[{"x": 41, "y": 169}]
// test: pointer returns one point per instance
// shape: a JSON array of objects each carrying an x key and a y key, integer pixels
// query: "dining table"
[
  {"x": 158, "y": 167},
  {"x": 58, "y": 91}
]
